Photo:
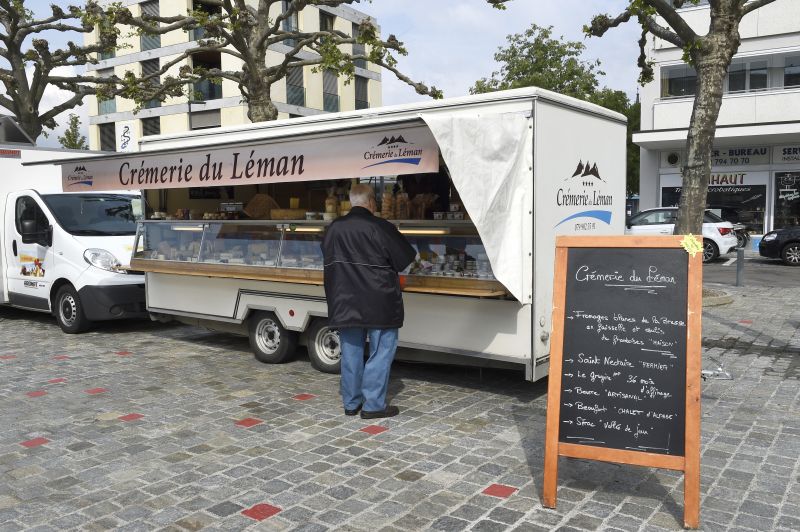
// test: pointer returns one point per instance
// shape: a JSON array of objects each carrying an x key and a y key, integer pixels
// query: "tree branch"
[
  {"x": 675, "y": 21},
  {"x": 755, "y": 4},
  {"x": 661, "y": 32}
]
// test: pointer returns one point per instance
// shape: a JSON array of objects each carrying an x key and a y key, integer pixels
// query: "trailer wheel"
[
  {"x": 68, "y": 309},
  {"x": 270, "y": 341},
  {"x": 324, "y": 347}
]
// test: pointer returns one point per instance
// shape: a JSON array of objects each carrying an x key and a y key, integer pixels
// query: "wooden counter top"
[{"x": 414, "y": 284}]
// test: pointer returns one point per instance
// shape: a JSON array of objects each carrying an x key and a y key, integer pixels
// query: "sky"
[{"x": 451, "y": 43}]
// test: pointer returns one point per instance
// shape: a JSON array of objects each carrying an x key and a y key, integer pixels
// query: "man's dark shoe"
[
  {"x": 352, "y": 412},
  {"x": 389, "y": 411}
]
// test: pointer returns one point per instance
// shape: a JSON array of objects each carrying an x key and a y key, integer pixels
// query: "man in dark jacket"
[{"x": 363, "y": 255}]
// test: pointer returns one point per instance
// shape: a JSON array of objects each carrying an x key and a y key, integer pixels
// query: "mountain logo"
[
  {"x": 79, "y": 176},
  {"x": 394, "y": 149},
  {"x": 393, "y": 141},
  {"x": 586, "y": 170}
]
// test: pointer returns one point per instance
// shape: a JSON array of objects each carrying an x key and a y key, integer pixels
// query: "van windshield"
[{"x": 95, "y": 214}]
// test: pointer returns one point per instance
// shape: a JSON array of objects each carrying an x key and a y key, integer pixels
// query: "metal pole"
[{"x": 739, "y": 266}]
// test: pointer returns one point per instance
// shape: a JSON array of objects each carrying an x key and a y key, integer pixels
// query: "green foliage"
[
  {"x": 72, "y": 138},
  {"x": 536, "y": 59}
]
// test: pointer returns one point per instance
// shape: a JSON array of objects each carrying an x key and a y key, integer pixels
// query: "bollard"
[{"x": 739, "y": 266}]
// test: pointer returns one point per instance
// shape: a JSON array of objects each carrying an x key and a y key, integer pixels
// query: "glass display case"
[{"x": 451, "y": 258}]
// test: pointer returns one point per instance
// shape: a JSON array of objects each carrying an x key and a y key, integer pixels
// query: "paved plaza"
[{"x": 142, "y": 426}]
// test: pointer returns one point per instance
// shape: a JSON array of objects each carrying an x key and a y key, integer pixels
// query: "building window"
[
  {"x": 679, "y": 80},
  {"x": 206, "y": 89},
  {"x": 358, "y": 49},
  {"x": 151, "y": 126},
  {"x": 108, "y": 106},
  {"x": 199, "y": 5},
  {"x": 330, "y": 91},
  {"x": 791, "y": 72},
  {"x": 150, "y": 42},
  {"x": 108, "y": 137},
  {"x": 205, "y": 119},
  {"x": 151, "y": 67},
  {"x": 291, "y": 24},
  {"x": 787, "y": 199},
  {"x": 108, "y": 54},
  {"x": 747, "y": 76},
  {"x": 295, "y": 91},
  {"x": 362, "y": 92},
  {"x": 326, "y": 21}
]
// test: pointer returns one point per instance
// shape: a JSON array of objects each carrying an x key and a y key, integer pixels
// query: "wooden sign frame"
[{"x": 689, "y": 463}]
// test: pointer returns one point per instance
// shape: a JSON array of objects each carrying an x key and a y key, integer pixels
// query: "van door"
[{"x": 29, "y": 253}]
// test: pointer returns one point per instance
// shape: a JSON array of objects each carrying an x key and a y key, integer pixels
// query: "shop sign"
[
  {"x": 396, "y": 151},
  {"x": 786, "y": 154},
  {"x": 739, "y": 156},
  {"x": 721, "y": 179},
  {"x": 10, "y": 154}
]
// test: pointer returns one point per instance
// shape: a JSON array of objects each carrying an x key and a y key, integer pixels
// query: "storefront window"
[
  {"x": 736, "y": 204},
  {"x": 787, "y": 199}
]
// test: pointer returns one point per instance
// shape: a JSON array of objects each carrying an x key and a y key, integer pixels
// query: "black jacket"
[{"x": 363, "y": 254}]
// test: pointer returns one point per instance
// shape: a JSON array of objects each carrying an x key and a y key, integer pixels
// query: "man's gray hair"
[{"x": 360, "y": 195}]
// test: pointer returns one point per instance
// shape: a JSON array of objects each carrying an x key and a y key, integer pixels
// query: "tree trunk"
[
  {"x": 711, "y": 60},
  {"x": 260, "y": 107}
]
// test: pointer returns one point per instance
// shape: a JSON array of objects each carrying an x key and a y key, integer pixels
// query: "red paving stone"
[
  {"x": 123, "y": 353},
  {"x": 130, "y": 417},
  {"x": 57, "y": 381},
  {"x": 61, "y": 357},
  {"x": 95, "y": 391},
  {"x": 8, "y": 357},
  {"x": 249, "y": 422},
  {"x": 37, "y": 393},
  {"x": 374, "y": 429},
  {"x": 746, "y": 322},
  {"x": 304, "y": 396},
  {"x": 259, "y": 512},
  {"x": 499, "y": 490},
  {"x": 35, "y": 442}
]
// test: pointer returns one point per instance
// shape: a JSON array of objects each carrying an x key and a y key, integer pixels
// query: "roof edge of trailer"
[{"x": 349, "y": 120}]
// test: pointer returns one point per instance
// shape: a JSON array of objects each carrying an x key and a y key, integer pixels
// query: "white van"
[{"x": 61, "y": 252}]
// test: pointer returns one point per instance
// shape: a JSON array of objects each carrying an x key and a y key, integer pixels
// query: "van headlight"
[
  {"x": 100, "y": 258},
  {"x": 770, "y": 236}
]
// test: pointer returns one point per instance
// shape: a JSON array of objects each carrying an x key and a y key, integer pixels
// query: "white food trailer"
[{"x": 521, "y": 167}]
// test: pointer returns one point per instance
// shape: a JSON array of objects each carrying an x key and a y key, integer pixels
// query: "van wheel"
[
  {"x": 324, "y": 347},
  {"x": 69, "y": 311},
  {"x": 270, "y": 341},
  {"x": 791, "y": 254},
  {"x": 710, "y": 251}
]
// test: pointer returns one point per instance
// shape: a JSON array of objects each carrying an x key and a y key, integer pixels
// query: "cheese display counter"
[{"x": 451, "y": 259}]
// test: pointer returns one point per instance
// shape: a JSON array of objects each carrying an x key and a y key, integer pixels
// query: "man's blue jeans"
[{"x": 366, "y": 384}]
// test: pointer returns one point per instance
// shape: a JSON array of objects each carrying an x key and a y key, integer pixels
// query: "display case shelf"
[{"x": 451, "y": 259}]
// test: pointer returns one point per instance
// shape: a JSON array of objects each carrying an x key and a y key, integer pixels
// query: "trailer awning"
[{"x": 394, "y": 150}]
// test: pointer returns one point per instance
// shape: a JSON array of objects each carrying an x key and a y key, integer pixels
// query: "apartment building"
[
  {"x": 756, "y": 160},
  {"x": 113, "y": 125}
]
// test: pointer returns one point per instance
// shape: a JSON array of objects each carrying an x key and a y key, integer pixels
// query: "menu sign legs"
[{"x": 625, "y": 358}]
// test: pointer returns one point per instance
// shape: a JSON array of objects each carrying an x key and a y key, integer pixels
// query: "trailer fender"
[{"x": 295, "y": 312}]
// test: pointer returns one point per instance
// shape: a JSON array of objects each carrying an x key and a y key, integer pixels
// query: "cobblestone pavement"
[{"x": 142, "y": 427}]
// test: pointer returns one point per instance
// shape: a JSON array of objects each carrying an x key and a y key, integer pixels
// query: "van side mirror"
[{"x": 31, "y": 236}]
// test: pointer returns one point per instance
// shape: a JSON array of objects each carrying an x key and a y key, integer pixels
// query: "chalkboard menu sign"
[{"x": 625, "y": 357}]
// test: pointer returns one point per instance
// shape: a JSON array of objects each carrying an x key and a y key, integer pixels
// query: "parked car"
[
  {"x": 782, "y": 244},
  {"x": 718, "y": 235}
]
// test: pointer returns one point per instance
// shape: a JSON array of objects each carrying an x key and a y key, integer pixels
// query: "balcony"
[
  {"x": 206, "y": 90},
  {"x": 330, "y": 102},
  {"x": 775, "y": 105},
  {"x": 295, "y": 95}
]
